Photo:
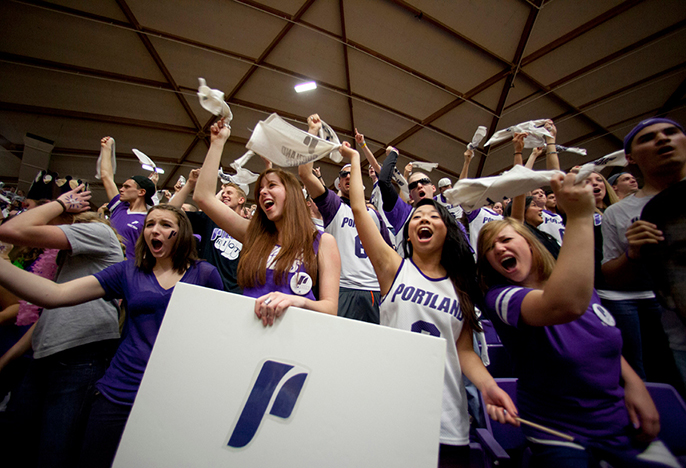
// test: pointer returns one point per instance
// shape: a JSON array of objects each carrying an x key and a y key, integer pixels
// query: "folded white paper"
[
  {"x": 288, "y": 146},
  {"x": 535, "y": 129},
  {"x": 473, "y": 193},
  {"x": 212, "y": 100},
  {"x": 618, "y": 158}
]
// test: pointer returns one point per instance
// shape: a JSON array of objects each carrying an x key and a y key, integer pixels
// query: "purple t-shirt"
[
  {"x": 298, "y": 281},
  {"x": 129, "y": 225},
  {"x": 146, "y": 302},
  {"x": 569, "y": 374}
]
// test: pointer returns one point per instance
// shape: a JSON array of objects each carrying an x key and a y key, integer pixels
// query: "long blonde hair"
[
  {"x": 297, "y": 238},
  {"x": 542, "y": 262}
]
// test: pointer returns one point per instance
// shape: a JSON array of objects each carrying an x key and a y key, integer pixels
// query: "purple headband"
[{"x": 646, "y": 123}]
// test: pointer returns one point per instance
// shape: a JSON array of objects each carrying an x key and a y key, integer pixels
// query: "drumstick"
[
  {"x": 543, "y": 428},
  {"x": 546, "y": 429}
]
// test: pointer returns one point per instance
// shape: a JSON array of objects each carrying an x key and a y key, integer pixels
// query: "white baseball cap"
[{"x": 444, "y": 182}]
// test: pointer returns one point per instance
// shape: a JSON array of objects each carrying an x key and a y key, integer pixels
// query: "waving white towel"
[
  {"x": 534, "y": 128},
  {"x": 288, "y": 146},
  {"x": 473, "y": 193}
]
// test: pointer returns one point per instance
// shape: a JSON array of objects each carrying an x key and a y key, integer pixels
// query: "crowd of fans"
[{"x": 568, "y": 273}]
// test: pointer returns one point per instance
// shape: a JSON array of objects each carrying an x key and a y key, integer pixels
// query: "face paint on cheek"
[{"x": 171, "y": 234}]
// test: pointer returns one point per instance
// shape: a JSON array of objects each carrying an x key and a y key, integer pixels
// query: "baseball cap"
[
  {"x": 444, "y": 182},
  {"x": 147, "y": 185},
  {"x": 614, "y": 178},
  {"x": 646, "y": 123}
]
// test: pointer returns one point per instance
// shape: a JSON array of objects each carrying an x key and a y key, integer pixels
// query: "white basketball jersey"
[
  {"x": 477, "y": 220},
  {"x": 552, "y": 224},
  {"x": 424, "y": 305},
  {"x": 357, "y": 271}
]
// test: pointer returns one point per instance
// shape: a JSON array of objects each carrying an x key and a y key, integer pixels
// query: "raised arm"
[
  {"x": 182, "y": 194},
  {"x": 359, "y": 139},
  {"x": 106, "y": 171},
  {"x": 383, "y": 257},
  {"x": 568, "y": 291},
  {"x": 31, "y": 228},
  {"x": 388, "y": 194},
  {"x": 535, "y": 153},
  {"x": 518, "y": 202},
  {"x": 312, "y": 184},
  {"x": 46, "y": 293},
  {"x": 468, "y": 156},
  {"x": 552, "y": 161},
  {"x": 227, "y": 219}
]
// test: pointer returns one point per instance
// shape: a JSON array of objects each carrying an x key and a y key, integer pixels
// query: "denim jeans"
[
  {"x": 645, "y": 343},
  {"x": 628, "y": 322},
  {"x": 44, "y": 415},
  {"x": 106, "y": 423}
]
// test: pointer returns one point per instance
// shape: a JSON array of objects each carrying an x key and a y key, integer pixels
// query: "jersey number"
[
  {"x": 359, "y": 249},
  {"x": 429, "y": 328}
]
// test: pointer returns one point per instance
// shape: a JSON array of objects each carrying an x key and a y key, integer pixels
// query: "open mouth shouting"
[
  {"x": 509, "y": 264},
  {"x": 424, "y": 234}
]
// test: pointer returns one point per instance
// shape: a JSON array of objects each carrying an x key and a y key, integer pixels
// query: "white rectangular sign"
[{"x": 313, "y": 390}]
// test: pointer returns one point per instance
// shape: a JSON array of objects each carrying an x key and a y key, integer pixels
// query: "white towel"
[
  {"x": 212, "y": 100},
  {"x": 566, "y": 149},
  {"x": 288, "y": 146},
  {"x": 618, "y": 158},
  {"x": 478, "y": 136},
  {"x": 534, "y": 128},
  {"x": 424, "y": 166},
  {"x": 473, "y": 193},
  {"x": 114, "y": 163}
]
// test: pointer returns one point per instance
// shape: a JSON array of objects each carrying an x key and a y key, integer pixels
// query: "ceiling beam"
[
  {"x": 604, "y": 61},
  {"x": 509, "y": 80},
  {"x": 584, "y": 28},
  {"x": 63, "y": 113},
  {"x": 346, "y": 64}
]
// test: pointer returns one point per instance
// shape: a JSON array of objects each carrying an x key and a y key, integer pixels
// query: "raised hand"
[
  {"x": 75, "y": 201},
  {"x": 314, "y": 123},
  {"x": 220, "y": 132}
]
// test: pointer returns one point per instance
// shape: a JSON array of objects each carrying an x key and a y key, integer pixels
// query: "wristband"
[
  {"x": 518, "y": 152},
  {"x": 363, "y": 144},
  {"x": 551, "y": 152},
  {"x": 64, "y": 207},
  {"x": 547, "y": 144}
]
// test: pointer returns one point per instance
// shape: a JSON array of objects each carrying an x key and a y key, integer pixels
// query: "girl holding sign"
[
  {"x": 431, "y": 291},
  {"x": 284, "y": 258},
  {"x": 165, "y": 254},
  {"x": 566, "y": 348}
]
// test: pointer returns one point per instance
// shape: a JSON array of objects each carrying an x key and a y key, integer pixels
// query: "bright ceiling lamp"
[
  {"x": 309, "y": 86},
  {"x": 146, "y": 162}
]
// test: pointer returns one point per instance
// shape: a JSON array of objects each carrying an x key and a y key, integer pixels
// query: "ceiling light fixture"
[{"x": 309, "y": 86}]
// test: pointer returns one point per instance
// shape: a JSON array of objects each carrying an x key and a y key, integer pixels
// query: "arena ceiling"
[{"x": 420, "y": 75}]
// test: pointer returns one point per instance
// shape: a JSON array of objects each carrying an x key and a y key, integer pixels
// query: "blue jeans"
[
  {"x": 45, "y": 414},
  {"x": 106, "y": 423},
  {"x": 628, "y": 322},
  {"x": 645, "y": 343}
]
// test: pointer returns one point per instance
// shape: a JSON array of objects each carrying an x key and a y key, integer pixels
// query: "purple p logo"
[{"x": 284, "y": 380}]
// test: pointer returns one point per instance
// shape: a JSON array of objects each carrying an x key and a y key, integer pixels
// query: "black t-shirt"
[
  {"x": 546, "y": 239},
  {"x": 218, "y": 248}
]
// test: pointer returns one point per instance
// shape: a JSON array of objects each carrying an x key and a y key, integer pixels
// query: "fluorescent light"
[
  {"x": 306, "y": 87},
  {"x": 148, "y": 167}
]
